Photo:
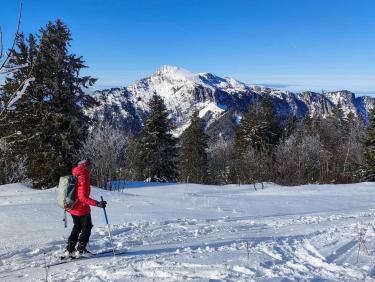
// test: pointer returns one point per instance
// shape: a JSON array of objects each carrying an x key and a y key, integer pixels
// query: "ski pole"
[{"x": 109, "y": 229}]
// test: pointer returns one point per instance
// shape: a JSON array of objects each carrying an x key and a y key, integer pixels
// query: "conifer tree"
[
  {"x": 258, "y": 128},
  {"x": 369, "y": 143},
  {"x": 193, "y": 156},
  {"x": 290, "y": 126},
  {"x": 246, "y": 127},
  {"x": 339, "y": 120},
  {"x": 157, "y": 156},
  {"x": 338, "y": 113},
  {"x": 133, "y": 163},
  {"x": 50, "y": 114},
  {"x": 256, "y": 136}
]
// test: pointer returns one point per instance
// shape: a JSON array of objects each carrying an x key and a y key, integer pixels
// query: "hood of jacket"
[{"x": 81, "y": 169}]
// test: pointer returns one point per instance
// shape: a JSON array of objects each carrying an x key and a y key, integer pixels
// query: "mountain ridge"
[{"x": 213, "y": 96}]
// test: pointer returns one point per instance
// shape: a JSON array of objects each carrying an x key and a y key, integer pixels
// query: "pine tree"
[
  {"x": 369, "y": 143},
  {"x": 133, "y": 163},
  {"x": 351, "y": 119},
  {"x": 193, "y": 156},
  {"x": 338, "y": 113},
  {"x": 256, "y": 136},
  {"x": 258, "y": 128},
  {"x": 339, "y": 120},
  {"x": 157, "y": 146},
  {"x": 246, "y": 128},
  {"x": 290, "y": 126},
  {"x": 50, "y": 114}
]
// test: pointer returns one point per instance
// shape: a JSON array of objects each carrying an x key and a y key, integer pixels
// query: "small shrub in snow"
[
  {"x": 12, "y": 167},
  {"x": 105, "y": 147}
]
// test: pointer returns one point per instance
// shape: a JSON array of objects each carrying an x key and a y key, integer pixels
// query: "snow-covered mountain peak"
[
  {"x": 228, "y": 83},
  {"x": 338, "y": 96},
  {"x": 175, "y": 73},
  {"x": 220, "y": 101},
  {"x": 236, "y": 84}
]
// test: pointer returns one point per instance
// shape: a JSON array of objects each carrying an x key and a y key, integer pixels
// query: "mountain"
[{"x": 220, "y": 101}]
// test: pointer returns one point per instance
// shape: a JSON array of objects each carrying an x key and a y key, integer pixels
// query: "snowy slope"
[
  {"x": 213, "y": 96},
  {"x": 199, "y": 233}
]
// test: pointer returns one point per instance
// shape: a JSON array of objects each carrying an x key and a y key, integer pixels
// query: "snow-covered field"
[{"x": 199, "y": 233}]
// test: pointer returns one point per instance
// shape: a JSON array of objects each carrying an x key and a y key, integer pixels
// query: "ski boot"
[
  {"x": 69, "y": 252},
  {"x": 82, "y": 251}
]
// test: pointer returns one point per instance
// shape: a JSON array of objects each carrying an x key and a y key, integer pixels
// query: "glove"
[{"x": 101, "y": 204}]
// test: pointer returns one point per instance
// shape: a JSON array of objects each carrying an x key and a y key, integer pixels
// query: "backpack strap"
[
  {"x": 75, "y": 202},
  {"x": 65, "y": 220},
  {"x": 69, "y": 209}
]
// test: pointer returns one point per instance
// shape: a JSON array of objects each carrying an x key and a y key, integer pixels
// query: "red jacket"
[{"x": 82, "y": 207}]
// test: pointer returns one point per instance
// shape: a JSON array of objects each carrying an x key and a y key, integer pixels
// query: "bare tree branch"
[
  {"x": 4, "y": 70},
  {"x": 104, "y": 146},
  {"x": 9, "y": 70},
  {"x": 1, "y": 43},
  {"x": 12, "y": 167},
  {"x": 14, "y": 40},
  {"x": 16, "y": 95}
]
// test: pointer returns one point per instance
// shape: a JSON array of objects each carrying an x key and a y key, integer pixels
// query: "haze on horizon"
[{"x": 294, "y": 45}]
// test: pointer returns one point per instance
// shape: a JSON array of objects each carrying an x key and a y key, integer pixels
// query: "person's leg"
[
  {"x": 73, "y": 238},
  {"x": 85, "y": 233}
]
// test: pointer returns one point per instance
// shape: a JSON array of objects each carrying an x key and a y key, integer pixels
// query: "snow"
[
  {"x": 184, "y": 92},
  {"x": 20, "y": 92},
  {"x": 176, "y": 232},
  {"x": 212, "y": 108},
  {"x": 238, "y": 119},
  {"x": 176, "y": 73},
  {"x": 8, "y": 70}
]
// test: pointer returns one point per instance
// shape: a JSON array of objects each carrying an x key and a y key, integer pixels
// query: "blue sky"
[{"x": 298, "y": 44}]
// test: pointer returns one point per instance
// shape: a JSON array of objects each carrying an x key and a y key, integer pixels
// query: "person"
[{"x": 81, "y": 212}]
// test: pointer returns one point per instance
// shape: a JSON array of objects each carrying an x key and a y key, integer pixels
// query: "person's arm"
[{"x": 82, "y": 182}]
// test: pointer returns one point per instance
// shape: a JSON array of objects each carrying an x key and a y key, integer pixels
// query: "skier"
[{"x": 81, "y": 211}]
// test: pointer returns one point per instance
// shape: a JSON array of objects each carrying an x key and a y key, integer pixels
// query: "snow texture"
[{"x": 176, "y": 232}]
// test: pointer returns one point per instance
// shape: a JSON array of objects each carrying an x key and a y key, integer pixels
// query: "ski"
[{"x": 106, "y": 253}]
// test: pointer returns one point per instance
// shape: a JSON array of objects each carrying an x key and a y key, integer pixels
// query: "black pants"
[{"x": 81, "y": 232}]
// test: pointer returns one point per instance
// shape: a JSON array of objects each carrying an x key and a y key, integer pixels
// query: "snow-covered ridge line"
[{"x": 184, "y": 92}]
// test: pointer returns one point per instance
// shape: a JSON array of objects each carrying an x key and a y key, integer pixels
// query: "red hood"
[
  {"x": 82, "y": 193},
  {"x": 80, "y": 170}
]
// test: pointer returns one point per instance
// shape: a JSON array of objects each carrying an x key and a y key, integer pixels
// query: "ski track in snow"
[{"x": 198, "y": 233}]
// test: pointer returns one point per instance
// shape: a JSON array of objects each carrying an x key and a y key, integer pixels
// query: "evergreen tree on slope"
[
  {"x": 256, "y": 136},
  {"x": 193, "y": 156},
  {"x": 157, "y": 156},
  {"x": 50, "y": 114},
  {"x": 369, "y": 143},
  {"x": 338, "y": 113},
  {"x": 258, "y": 128}
]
